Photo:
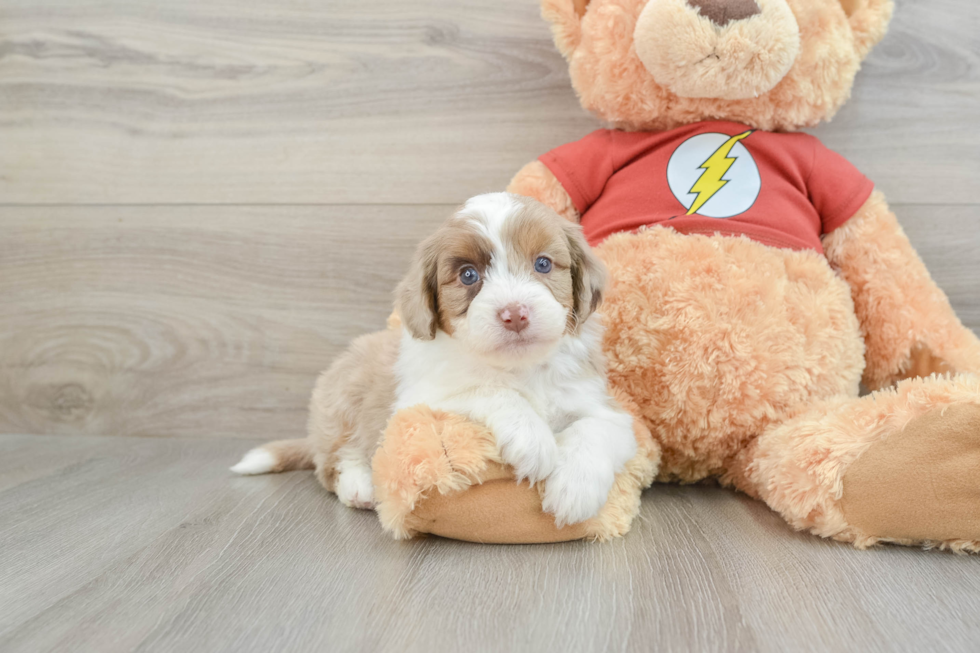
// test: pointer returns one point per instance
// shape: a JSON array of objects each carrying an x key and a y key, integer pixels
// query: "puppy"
[{"x": 498, "y": 325}]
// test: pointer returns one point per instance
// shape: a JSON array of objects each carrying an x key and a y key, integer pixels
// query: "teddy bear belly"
[{"x": 715, "y": 338}]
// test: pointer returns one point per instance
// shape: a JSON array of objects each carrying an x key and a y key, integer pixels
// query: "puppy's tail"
[{"x": 278, "y": 456}]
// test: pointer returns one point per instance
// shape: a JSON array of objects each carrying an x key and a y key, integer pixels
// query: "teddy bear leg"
[{"x": 899, "y": 466}]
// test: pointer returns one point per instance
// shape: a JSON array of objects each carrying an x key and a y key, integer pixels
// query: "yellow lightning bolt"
[{"x": 710, "y": 181}]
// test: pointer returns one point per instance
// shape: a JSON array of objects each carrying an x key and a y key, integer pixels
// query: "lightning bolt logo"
[{"x": 712, "y": 179}]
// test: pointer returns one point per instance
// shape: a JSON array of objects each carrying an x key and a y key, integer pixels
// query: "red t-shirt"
[{"x": 784, "y": 190}]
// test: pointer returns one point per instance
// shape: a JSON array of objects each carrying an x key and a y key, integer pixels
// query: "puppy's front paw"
[
  {"x": 577, "y": 489},
  {"x": 354, "y": 487},
  {"x": 529, "y": 448}
]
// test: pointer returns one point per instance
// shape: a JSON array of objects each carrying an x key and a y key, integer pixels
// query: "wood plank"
[
  {"x": 188, "y": 321},
  {"x": 430, "y": 101},
  {"x": 151, "y": 544},
  {"x": 214, "y": 321},
  {"x": 911, "y": 112}
]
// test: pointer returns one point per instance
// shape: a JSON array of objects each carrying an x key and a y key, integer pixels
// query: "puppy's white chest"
[
  {"x": 556, "y": 398},
  {"x": 438, "y": 373}
]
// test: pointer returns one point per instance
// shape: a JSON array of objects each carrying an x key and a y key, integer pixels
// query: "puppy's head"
[{"x": 506, "y": 276}]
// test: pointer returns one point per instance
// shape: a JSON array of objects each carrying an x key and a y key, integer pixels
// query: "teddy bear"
[{"x": 757, "y": 279}]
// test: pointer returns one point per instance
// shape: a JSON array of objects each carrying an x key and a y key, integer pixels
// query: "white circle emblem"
[{"x": 714, "y": 175}]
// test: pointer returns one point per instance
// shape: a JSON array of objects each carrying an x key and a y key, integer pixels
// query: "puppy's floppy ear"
[
  {"x": 417, "y": 296},
  {"x": 588, "y": 274}
]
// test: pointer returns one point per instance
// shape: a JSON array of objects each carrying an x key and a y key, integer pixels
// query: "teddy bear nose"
[{"x": 722, "y": 12}]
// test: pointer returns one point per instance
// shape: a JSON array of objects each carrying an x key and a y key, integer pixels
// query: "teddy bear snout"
[
  {"x": 722, "y": 12},
  {"x": 723, "y": 49}
]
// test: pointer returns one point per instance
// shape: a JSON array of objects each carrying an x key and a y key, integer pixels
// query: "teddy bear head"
[{"x": 777, "y": 65}]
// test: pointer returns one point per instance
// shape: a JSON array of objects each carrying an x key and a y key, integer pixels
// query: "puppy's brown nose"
[
  {"x": 514, "y": 316},
  {"x": 722, "y": 12}
]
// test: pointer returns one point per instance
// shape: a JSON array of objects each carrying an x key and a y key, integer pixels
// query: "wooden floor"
[
  {"x": 202, "y": 202},
  {"x": 115, "y": 544}
]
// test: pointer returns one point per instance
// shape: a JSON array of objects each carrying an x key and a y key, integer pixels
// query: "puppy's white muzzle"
[{"x": 514, "y": 319}]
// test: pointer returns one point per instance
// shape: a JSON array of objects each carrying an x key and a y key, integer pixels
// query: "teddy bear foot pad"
[{"x": 921, "y": 483}]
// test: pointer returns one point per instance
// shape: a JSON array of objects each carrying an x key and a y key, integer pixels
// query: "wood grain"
[
  {"x": 209, "y": 313},
  {"x": 151, "y": 545},
  {"x": 428, "y": 101},
  {"x": 201, "y": 203},
  {"x": 214, "y": 321},
  {"x": 188, "y": 321}
]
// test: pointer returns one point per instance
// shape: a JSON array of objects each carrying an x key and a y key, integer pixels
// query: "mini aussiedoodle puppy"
[{"x": 498, "y": 325}]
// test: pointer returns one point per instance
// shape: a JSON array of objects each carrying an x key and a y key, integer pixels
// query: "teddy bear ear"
[
  {"x": 869, "y": 21},
  {"x": 565, "y": 17}
]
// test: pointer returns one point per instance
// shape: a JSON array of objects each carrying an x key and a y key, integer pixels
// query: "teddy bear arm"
[
  {"x": 910, "y": 328},
  {"x": 537, "y": 181},
  {"x": 442, "y": 474}
]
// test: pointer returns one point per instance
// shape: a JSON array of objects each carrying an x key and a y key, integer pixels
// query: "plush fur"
[
  {"x": 740, "y": 361},
  {"x": 535, "y": 180},
  {"x": 712, "y": 56},
  {"x": 910, "y": 328},
  {"x": 612, "y": 81},
  {"x": 798, "y": 467},
  {"x": 721, "y": 338},
  {"x": 441, "y": 474}
]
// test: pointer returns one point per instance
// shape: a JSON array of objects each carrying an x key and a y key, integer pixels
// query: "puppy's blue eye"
[
  {"x": 542, "y": 265},
  {"x": 469, "y": 276}
]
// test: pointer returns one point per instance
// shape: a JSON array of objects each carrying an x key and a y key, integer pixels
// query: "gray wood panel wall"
[{"x": 201, "y": 203}]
